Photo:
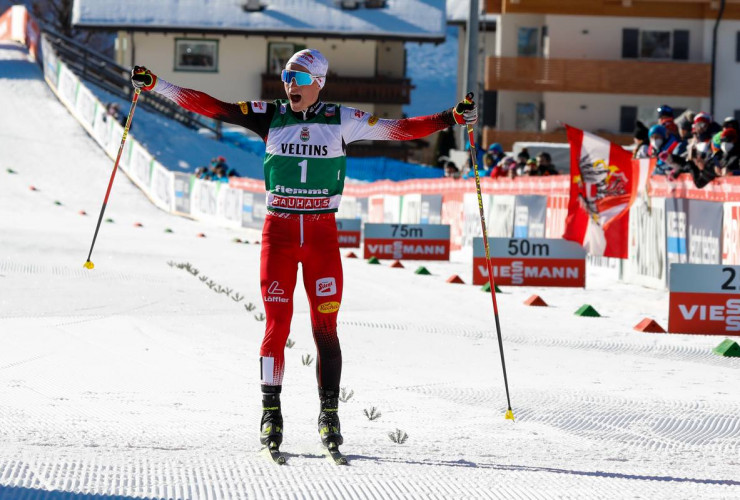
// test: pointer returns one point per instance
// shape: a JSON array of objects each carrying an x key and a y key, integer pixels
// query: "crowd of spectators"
[
  {"x": 217, "y": 170},
  {"x": 494, "y": 162},
  {"x": 691, "y": 143}
]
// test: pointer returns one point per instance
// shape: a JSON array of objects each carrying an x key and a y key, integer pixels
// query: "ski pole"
[
  {"x": 471, "y": 139},
  {"x": 88, "y": 263}
]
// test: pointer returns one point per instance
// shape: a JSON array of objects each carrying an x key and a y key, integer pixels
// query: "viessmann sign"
[
  {"x": 407, "y": 241},
  {"x": 704, "y": 299},
  {"x": 530, "y": 262},
  {"x": 348, "y": 232}
]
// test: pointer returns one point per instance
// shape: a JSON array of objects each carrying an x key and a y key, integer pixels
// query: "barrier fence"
[{"x": 674, "y": 223}]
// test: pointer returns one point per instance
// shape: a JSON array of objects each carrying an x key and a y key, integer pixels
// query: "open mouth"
[{"x": 295, "y": 98}]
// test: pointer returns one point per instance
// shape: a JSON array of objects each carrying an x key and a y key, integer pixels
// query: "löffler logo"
[
  {"x": 274, "y": 291},
  {"x": 326, "y": 287}
]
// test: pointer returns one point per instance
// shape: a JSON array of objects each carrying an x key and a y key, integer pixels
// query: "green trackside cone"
[
  {"x": 587, "y": 310},
  {"x": 728, "y": 348}
]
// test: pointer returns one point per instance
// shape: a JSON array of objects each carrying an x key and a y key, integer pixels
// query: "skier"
[{"x": 304, "y": 164}]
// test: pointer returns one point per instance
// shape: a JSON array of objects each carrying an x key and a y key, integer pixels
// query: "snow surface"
[
  {"x": 136, "y": 380},
  {"x": 418, "y": 19}
]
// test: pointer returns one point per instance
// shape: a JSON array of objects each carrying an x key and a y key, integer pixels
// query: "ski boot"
[
  {"x": 271, "y": 426},
  {"x": 329, "y": 428}
]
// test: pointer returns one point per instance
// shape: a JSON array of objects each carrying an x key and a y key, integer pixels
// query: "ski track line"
[
  {"x": 638, "y": 424},
  {"x": 66, "y": 272},
  {"x": 217, "y": 477},
  {"x": 678, "y": 352}
]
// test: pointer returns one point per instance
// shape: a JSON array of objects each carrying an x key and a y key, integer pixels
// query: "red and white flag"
[{"x": 604, "y": 182}]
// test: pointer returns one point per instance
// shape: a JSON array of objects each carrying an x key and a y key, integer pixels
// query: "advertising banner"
[
  {"x": 677, "y": 230},
  {"x": 530, "y": 213},
  {"x": 67, "y": 87},
  {"x": 731, "y": 234},
  {"x": 500, "y": 222},
  {"x": 530, "y": 262},
  {"x": 254, "y": 209},
  {"x": 101, "y": 128},
  {"x": 85, "y": 106},
  {"x": 163, "y": 187},
  {"x": 407, "y": 241},
  {"x": 704, "y": 299},
  {"x": 410, "y": 209},
  {"x": 705, "y": 232},
  {"x": 557, "y": 211},
  {"x": 376, "y": 210},
  {"x": 182, "y": 183},
  {"x": 230, "y": 204},
  {"x": 204, "y": 198},
  {"x": 51, "y": 64},
  {"x": 454, "y": 216},
  {"x": 431, "y": 209},
  {"x": 140, "y": 166},
  {"x": 646, "y": 263},
  {"x": 349, "y": 232}
]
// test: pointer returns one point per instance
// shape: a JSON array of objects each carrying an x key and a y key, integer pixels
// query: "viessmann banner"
[
  {"x": 407, "y": 241},
  {"x": 530, "y": 262},
  {"x": 704, "y": 299}
]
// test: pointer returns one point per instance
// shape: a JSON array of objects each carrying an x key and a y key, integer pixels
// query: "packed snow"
[{"x": 139, "y": 380}]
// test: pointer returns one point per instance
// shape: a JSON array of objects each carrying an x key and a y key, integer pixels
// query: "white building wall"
[
  {"x": 507, "y": 31},
  {"x": 600, "y": 112},
  {"x": 242, "y": 60},
  {"x": 507, "y": 101},
  {"x": 727, "y": 92},
  {"x": 600, "y": 37}
]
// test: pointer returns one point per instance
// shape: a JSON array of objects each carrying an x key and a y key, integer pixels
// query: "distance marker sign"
[
  {"x": 407, "y": 241},
  {"x": 348, "y": 232},
  {"x": 704, "y": 299},
  {"x": 530, "y": 262}
]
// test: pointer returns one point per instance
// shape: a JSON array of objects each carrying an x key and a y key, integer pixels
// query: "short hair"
[{"x": 545, "y": 155}]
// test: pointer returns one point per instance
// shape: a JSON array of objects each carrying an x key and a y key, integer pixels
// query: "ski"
[
  {"x": 336, "y": 455},
  {"x": 275, "y": 454}
]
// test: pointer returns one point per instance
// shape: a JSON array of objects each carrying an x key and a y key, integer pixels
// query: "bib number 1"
[{"x": 304, "y": 170}]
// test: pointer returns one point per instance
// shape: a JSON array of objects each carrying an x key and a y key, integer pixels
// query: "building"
[
  {"x": 602, "y": 64},
  {"x": 235, "y": 49}
]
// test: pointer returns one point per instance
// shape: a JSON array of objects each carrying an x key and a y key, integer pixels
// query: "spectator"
[
  {"x": 730, "y": 122},
  {"x": 661, "y": 145},
  {"x": 497, "y": 151},
  {"x": 641, "y": 140},
  {"x": 113, "y": 109},
  {"x": 451, "y": 170},
  {"x": 202, "y": 173},
  {"x": 504, "y": 168},
  {"x": 521, "y": 163},
  {"x": 531, "y": 167},
  {"x": 665, "y": 114},
  {"x": 728, "y": 159},
  {"x": 544, "y": 165},
  {"x": 484, "y": 170}
]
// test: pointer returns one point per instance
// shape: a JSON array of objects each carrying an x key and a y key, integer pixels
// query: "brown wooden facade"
[
  {"x": 595, "y": 76},
  {"x": 683, "y": 9},
  {"x": 376, "y": 90}
]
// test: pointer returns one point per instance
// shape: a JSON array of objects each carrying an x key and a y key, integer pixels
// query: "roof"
[
  {"x": 457, "y": 12},
  {"x": 408, "y": 20}
]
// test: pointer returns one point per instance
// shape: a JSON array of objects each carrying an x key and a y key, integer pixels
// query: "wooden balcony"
[
  {"x": 535, "y": 74},
  {"x": 507, "y": 138},
  {"x": 377, "y": 90}
]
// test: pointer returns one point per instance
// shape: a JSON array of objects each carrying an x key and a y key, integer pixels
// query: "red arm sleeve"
[
  {"x": 255, "y": 115},
  {"x": 358, "y": 125}
]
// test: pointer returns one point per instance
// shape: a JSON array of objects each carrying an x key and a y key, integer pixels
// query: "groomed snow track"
[{"x": 135, "y": 380}]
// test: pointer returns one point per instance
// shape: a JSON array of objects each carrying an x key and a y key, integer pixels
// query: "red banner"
[{"x": 704, "y": 313}]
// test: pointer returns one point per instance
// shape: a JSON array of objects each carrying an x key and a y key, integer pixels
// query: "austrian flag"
[{"x": 603, "y": 187}]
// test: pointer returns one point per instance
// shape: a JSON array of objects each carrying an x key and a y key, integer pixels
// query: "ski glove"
[
  {"x": 142, "y": 78},
  {"x": 465, "y": 113}
]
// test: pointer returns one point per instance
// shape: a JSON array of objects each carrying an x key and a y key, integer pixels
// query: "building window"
[
  {"x": 527, "y": 42},
  {"x": 196, "y": 55},
  {"x": 526, "y": 116},
  {"x": 278, "y": 54},
  {"x": 653, "y": 44},
  {"x": 627, "y": 119}
]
